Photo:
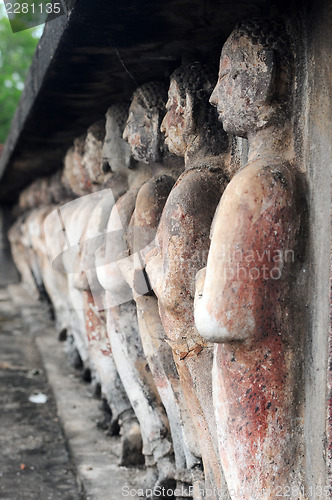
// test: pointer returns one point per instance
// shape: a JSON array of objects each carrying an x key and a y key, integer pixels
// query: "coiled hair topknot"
[
  {"x": 194, "y": 80},
  {"x": 119, "y": 112},
  {"x": 97, "y": 129},
  {"x": 152, "y": 96},
  {"x": 271, "y": 34}
]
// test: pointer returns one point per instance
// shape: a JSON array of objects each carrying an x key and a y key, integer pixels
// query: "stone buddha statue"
[
  {"x": 102, "y": 146},
  {"x": 147, "y": 144},
  {"x": 148, "y": 102},
  {"x": 249, "y": 299},
  {"x": 192, "y": 131}
]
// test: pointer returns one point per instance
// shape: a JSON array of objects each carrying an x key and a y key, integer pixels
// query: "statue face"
[
  {"x": 74, "y": 174},
  {"x": 243, "y": 86},
  {"x": 141, "y": 133},
  {"x": 115, "y": 152},
  {"x": 177, "y": 122},
  {"x": 92, "y": 158}
]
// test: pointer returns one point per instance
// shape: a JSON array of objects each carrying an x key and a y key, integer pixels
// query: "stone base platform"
[{"x": 92, "y": 456}]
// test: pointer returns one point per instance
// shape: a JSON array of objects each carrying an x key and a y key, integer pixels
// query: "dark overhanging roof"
[{"x": 98, "y": 55}]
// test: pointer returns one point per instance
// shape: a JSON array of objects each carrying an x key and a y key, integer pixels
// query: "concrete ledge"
[{"x": 95, "y": 455}]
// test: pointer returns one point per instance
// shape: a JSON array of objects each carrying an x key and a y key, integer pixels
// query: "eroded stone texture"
[
  {"x": 192, "y": 131},
  {"x": 249, "y": 297},
  {"x": 54, "y": 282},
  {"x": 74, "y": 217},
  {"x": 65, "y": 265},
  {"x": 123, "y": 416},
  {"x": 41, "y": 192},
  {"x": 34, "y": 195},
  {"x": 29, "y": 246}
]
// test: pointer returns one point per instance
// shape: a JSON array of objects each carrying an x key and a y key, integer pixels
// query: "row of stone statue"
[{"x": 181, "y": 283}]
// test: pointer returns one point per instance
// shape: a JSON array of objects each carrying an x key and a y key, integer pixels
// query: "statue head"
[
  {"x": 116, "y": 151},
  {"x": 254, "y": 83},
  {"x": 142, "y": 129},
  {"x": 190, "y": 122},
  {"x": 92, "y": 159},
  {"x": 58, "y": 192},
  {"x": 74, "y": 175}
]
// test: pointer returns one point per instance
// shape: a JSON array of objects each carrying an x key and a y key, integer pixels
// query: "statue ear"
[
  {"x": 157, "y": 136},
  {"x": 190, "y": 111},
  {"x": 265, "y": 75}
]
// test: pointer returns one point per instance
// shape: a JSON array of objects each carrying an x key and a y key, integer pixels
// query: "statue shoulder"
[
  {"x": 258, "y": 182},
  {"x": 151, "y": 200},
  {"x": 122, "y": 210},
  {"x": 197, "y": 187},
  {"x": 154, "y": 192}
]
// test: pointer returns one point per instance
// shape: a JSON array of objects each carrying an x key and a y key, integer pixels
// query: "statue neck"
[
  {"x": 197, "y": 150},
  {"x": 199, "y": 153},
  {"x": 273, "y": 142},
  {"x": 138, "y": 175},
  {"x": 170, "y": 165}
]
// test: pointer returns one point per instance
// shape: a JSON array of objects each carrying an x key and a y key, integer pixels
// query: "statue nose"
[{"x": 213, "y": 98}]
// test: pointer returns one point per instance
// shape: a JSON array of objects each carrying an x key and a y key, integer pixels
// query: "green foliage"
[{"x": 16, "y": 52}]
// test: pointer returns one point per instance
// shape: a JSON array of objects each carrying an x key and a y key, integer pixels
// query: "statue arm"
[
  {"x": 143, "y": 227},
  {"x": 246, "y": 276},
  {"x": 182, "y": 242},
  {"x": 114, "y": 248}
]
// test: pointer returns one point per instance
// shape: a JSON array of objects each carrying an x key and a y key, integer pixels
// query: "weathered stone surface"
[
  {"x": 92, "y": 159},
  {"x": 74, "y": 174},
  {"x": 316, "y": 110},
  {"x": 75, "y": 216},
  {"x": 43, "y": 450},
  {"x": 45, "y": 191}
]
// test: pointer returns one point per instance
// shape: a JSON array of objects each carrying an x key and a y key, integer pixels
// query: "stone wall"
[{"x": 317, "y": 156}]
